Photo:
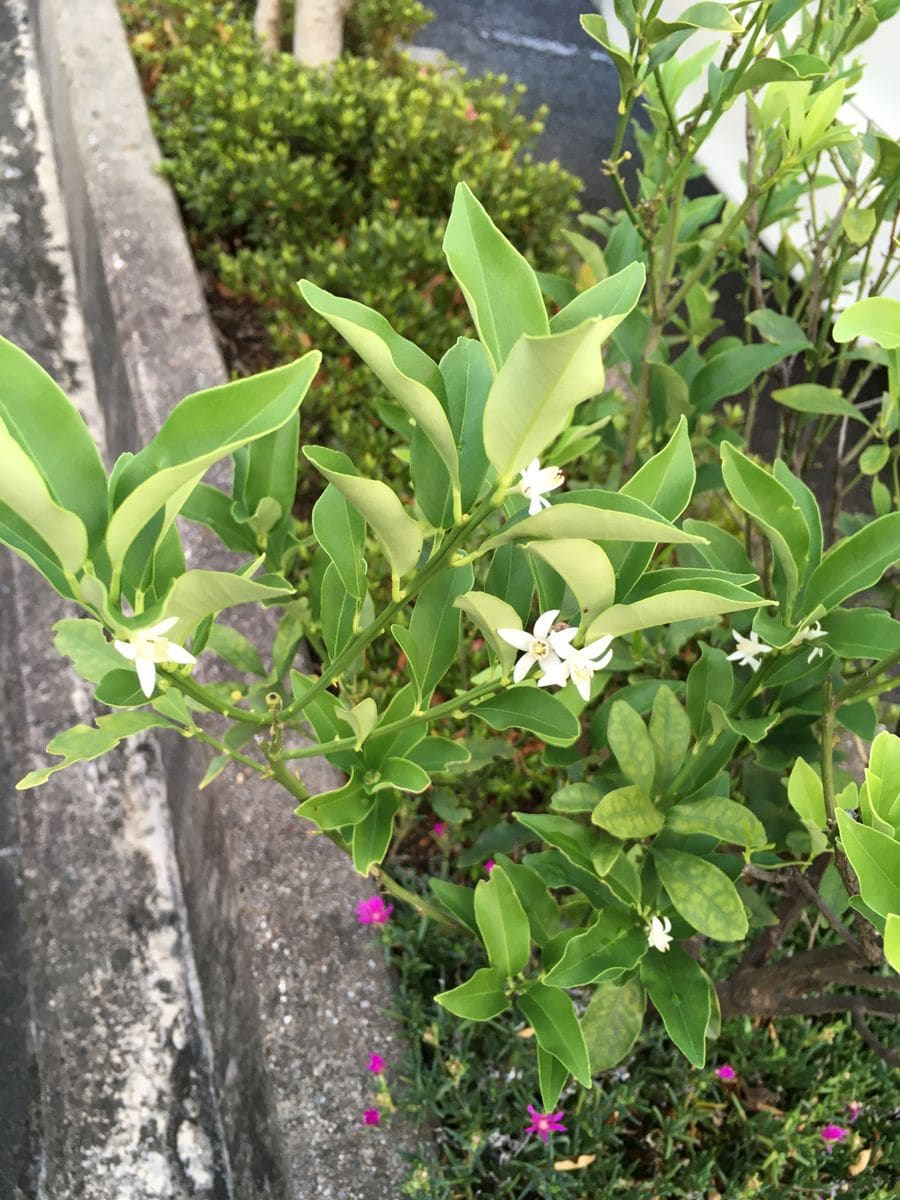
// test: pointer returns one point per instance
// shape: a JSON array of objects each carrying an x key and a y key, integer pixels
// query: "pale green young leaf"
[
  {"x": 341, "y": 532},
  {"x": 703, "y": 894},
  {"x": 854, "y": 564},
  {"x": 412, "y": 378},
  {"x": 400, "y": 536},
  {"x": 84, "y": 642},
  {"x": 877, "y": 317},
  {"x": 502, "y": 923},
  {"x": 362, "y": 719},
  {"x": 677, "y": 605},
  {"x": 815, "y": 398},
  {"x": 536, "y": 390},
  {"x": 875, "y": 857},
  {"x": 499, "y": 285},
  {"x": 83, "y": 743},
  {"x": 481, "y": 997},
  {"x": 490, "y": 613},
  {"x": 197, "y": 595},
  {"x": 612, "y": 298},
  {"x": 892, "y": 940},
  {"x": 585, "y": 568},
  {"x": 574, "y": 520}
]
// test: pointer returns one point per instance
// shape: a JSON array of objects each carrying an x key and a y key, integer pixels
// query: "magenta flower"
[
  {"x": 726, "y": 1072},
  {"x": 471, "y": 112},
  {"x": 489, "y": 866},
  {"x": 855, "y": 1109},
  {"x": 544, "y": 1123},
  {"x": 371, "y": 1116},
  {"x": 439, "y": 828},
  {"x": 373, "y": 911},
  {"x": 376, "y": 1064},
  {"x": 832, "y": 1134}
]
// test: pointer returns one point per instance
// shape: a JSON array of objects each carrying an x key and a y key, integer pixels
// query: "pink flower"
[
  {"x": 489, "y": 866},
  {"x": 855, "y": 1109},
  {"x": 544, "y": 1123},
  {"x": 471, "y": 112},
  {"x": 371, "y": 1116},
  {"x": 373, "y": 911},
  {"x": 439, "y": 828},
  {"x": 833, "y": 1133},
  {"x": 726, "y": 1072},
  {"x": 376, "y": 1064}
]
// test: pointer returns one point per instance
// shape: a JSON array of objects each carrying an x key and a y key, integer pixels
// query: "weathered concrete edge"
[{"x": 151, "y": 343}]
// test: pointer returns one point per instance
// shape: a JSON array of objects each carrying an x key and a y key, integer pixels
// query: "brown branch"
[
  {"x": 767, "y": 942},
  {"x": 873, "y": 1042}
]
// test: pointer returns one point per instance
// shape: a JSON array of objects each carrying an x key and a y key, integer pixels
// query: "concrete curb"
[{"x": 291, "y": 988}]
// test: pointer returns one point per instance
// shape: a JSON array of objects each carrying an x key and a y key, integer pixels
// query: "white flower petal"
[
  {"x": 561, "y": 641},
  {"x": 162, "y": 627},
  {"x": 125, "y": 649},
  {"x": 178, "y": 654},
  {"x": 523, "y": 666},
  {"x": 596, "y": 649},
  {"x": 544, "y": 623},
  {"x": 547, "y": 479},
  {"x": 146, "y": 673},
  {"x": 516, "y": 637},
  {"x": 583, "y": 684}
]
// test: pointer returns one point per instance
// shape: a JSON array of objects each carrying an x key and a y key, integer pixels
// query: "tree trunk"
[
  {"x": 319, "y": 31},
  {"x": 267, "y": 24}
]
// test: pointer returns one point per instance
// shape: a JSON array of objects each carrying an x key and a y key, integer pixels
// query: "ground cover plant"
[{"x": 585, "y": 727}]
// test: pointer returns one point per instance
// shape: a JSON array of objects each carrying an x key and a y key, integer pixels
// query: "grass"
[{"x": 660, "y": 1130}]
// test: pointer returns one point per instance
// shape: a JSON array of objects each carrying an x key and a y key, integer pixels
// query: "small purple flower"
[
  {"x": 373, "y": 911},
  {"x": 489, "y": 866},
  {"x": 371, "y": 1116},
  {"x": 376, "y": 1064},
  {"x": 855, "y": 1109},
  {"x": 439, "y": 828},
  {"x": 832, "y": 1134},
  {"x": 726, "y": 1073},
  {"x": 544, "y": 1124}
]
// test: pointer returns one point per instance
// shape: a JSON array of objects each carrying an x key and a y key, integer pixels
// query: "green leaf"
[
  {"x": 732, "y": 372},
  {"x": 479, "y": 998},
  {"x": 528, "y": 708},
  {"x": 702, "y": 894},
  {"x": 551, "y": 1014},
  {"x": 121, "y": 689},
  {"x": 84, "y": 642},
  {"x": 361, "y": 719},
  {"x": 754, "y": 729},
  {"x": 501, "y": 289},
  {"x": 680, "y": 991},
  {"x": 862, "y": 632},
  {"x": 401, "y": 774},
  {"x": 859, "y": 225},
  {"x": 458, "y": 900},
  {"x": 670, "y": 735},
  {"x": 23, "y": 488},
  {"x": 235, "y": 649},
  {"x": 434, "y": 754},
  {"x": 574, "y": 520},
  {"x": 719, "y": 818},
  {"x": 346, "y": 805},
  {"x": 854, "y": 564},
  {"x": 372, "y": 835},
  {"x": 627, "y": 812},
  {"x": 723, "y": 552},
  {"x": 208, "y": 506},
  {"x": 552, "y": 1078},
  {"x": 341, "y": 532},
  {"x": 502, "y": 923},
  {"x": 612, "y": 1022},
  {"x": 50, "y": 430},
  {"x": 339, "y": 612},
  {"x": 574, "y": 840},
  {"x": 777, "y": 328},
  {"x": 612, "y": 299},
  {"x": 400, "y": 536},
  {"x": 630, "y": 743},
  {"x": 705, "y": 15},
  {"x": 781, "y": 70},
  {"x": 197, "y": 595},
  {"x": 201, "y": 430},
  {"x": 774, "y": 509},
  {"x": 875, "y": 857},
  {"x": 433, "y": 641},
  {"x": 877, "y": 317},
  {"x": 412, "y": 378},
  {"x": 892, "y": 940},
  {"x": 612, "y": 946},
  {"x": 873, "y": 458},
  {"x": 595, "y": 26},
  {"x": 681, "y": 604},
  {"x": 814, "y": 398},
  {"x": 490, "y": 613},
  {"x": 537, "y": 389},
  {"x": 82, "y": 743},
  {"x": 585, "y": 568},
  {"x": 268, "y": 473},
  {"x": 575, "y": 797},
  {"x": 709, "y": 680},
  {"x": 542, "y": 909}
]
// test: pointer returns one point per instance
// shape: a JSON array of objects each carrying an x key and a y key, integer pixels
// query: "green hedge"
[{"x": 342, "y": 174}]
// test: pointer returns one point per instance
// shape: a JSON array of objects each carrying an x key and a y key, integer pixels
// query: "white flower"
[
  {"x": 536, "y": 482},
  {"x": 809, "y": 634},
  {"x": 749, "y": 650},
  {"x": 536, "y": 645},
  {"x": 658, "y": 934},
  {"x": 578, "y": 665},
  {"x": 147, "y": 647}
]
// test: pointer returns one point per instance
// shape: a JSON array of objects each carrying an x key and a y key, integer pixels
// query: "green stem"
[
  {"x": 828, "y": 711},
  {"x": 419, "y": 903},
  {"x": 198, "y": 692},
  {"x": 208, "y": 740},
  {"x": 866, "y": 679}
]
